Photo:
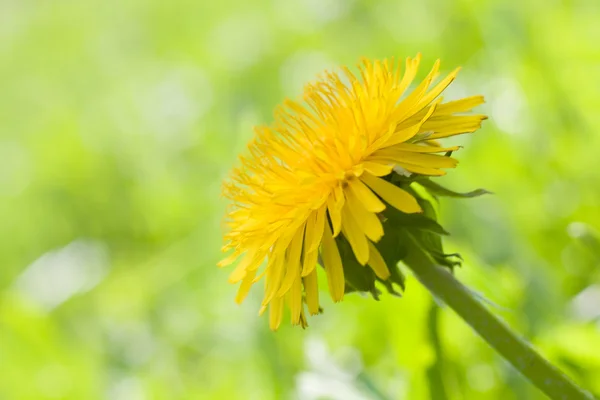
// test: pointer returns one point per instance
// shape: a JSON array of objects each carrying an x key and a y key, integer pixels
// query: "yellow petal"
[
  {"x": 412, "y": 101},
  {"x": 439, "y": 88},
  {"x": 365, "y": 196},
  {"x": 377, "y": 169},
  {"x": 250, "y": 261},
  {"x": 408, "y": 129},
  {"x": 402, "y": 135},
  {"x": 392, "y": 194},
  {"x": 334, "y": 207},
  {"x": 312, "y": 292},
  {"x": 309, "y": 262},
  {"x": 433, "y": 143},
  {"x": 275, "y": 313},
  {"x": 367, "y": 221},
  {"x": 245, "y": 287},
  {"x": 314, "y": 229},
  {"x": 309, "y": 230},
  {"x": 303, "y": 321},
  {"x": 418, "y": 148},
  {"x": 377, "y": 263},
  {"x": 262, "y": 310},
  {"x": 295, "y": 296},
  {"x": 333, "y": 266},
  {"x": 412, "y": 65},
  {"x": 452, "y": 128},
  {"x": 260, "y": 276},
  {"x": 417, "y": 169},
  {"x": 447, "y": 109},
  {"x": 238, "y": 273},
  {"x": 462, "y": 105},
  {"x": 440, "y": 123},
  {"x": 292, "y": 263},
  {"x": 275, "y": 270},
  {"x": 230, "y": 259},
  {"x": 356, "y": 237},
  {"x": 423, "y": 159}
]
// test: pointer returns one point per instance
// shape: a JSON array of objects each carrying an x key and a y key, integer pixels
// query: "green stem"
[{"x": 441, "y": 283}]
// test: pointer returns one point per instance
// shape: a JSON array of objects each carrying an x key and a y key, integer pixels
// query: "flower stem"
[{"x": 441, "y": 283}]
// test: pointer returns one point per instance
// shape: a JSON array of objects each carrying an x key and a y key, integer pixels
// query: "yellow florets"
[{"x": 320, "y": 170}]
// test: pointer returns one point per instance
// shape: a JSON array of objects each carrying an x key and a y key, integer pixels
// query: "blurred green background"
[{"x": 119, "y": 119}]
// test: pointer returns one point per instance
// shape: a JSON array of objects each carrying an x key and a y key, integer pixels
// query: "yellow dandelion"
[{"x": 321, "y": 170}]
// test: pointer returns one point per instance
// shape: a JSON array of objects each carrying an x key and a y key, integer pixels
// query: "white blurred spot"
[
  {"x": 172, "y": 105},
  {"x": 561, "y": 198},
  {"x": 13, "y": 20},
  {"x": 309, "y": 15},
  {"x": 324, "y": 11},
  {"x": 60, "y": 274},
  {"x": 240, "y": 41},
  {"x": 585, "y": 306},
  {"x": 326, "y": 378},
  {"x": 401, "y": 171},
  {"x": 426, "y": 22},
  {"x": 577, "y": 229},
  {"x": 507, "y": 102},
  {"x": 134, "y": 341},
  {"x": 182, "y": 324},
  {"x": 319, "y": 359},
  {"x": 481, "y": 377},
  {"x": 300, "y": 68},
  {"x": 15, "y": 168},
  {"x": 313, "y": 386},
  {"x": 128, "y": 388}
]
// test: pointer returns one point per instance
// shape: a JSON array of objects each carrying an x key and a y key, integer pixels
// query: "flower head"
[{"x": 323, "y": 168}]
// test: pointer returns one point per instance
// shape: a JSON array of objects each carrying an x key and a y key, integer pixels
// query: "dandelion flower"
[{"x": 322, "y": 169}]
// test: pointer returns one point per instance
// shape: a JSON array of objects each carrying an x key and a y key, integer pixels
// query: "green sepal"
[
  {"x": 361, "y": 278},
  {"x": 393, "y": 250},
  {"x": 417, "y": 221},
  {"x": 358, "y": 278},
  {"x": 401, "y": 231},
  {"x": 439, "y": 190},
  {"x": 430, "y": 241}
]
